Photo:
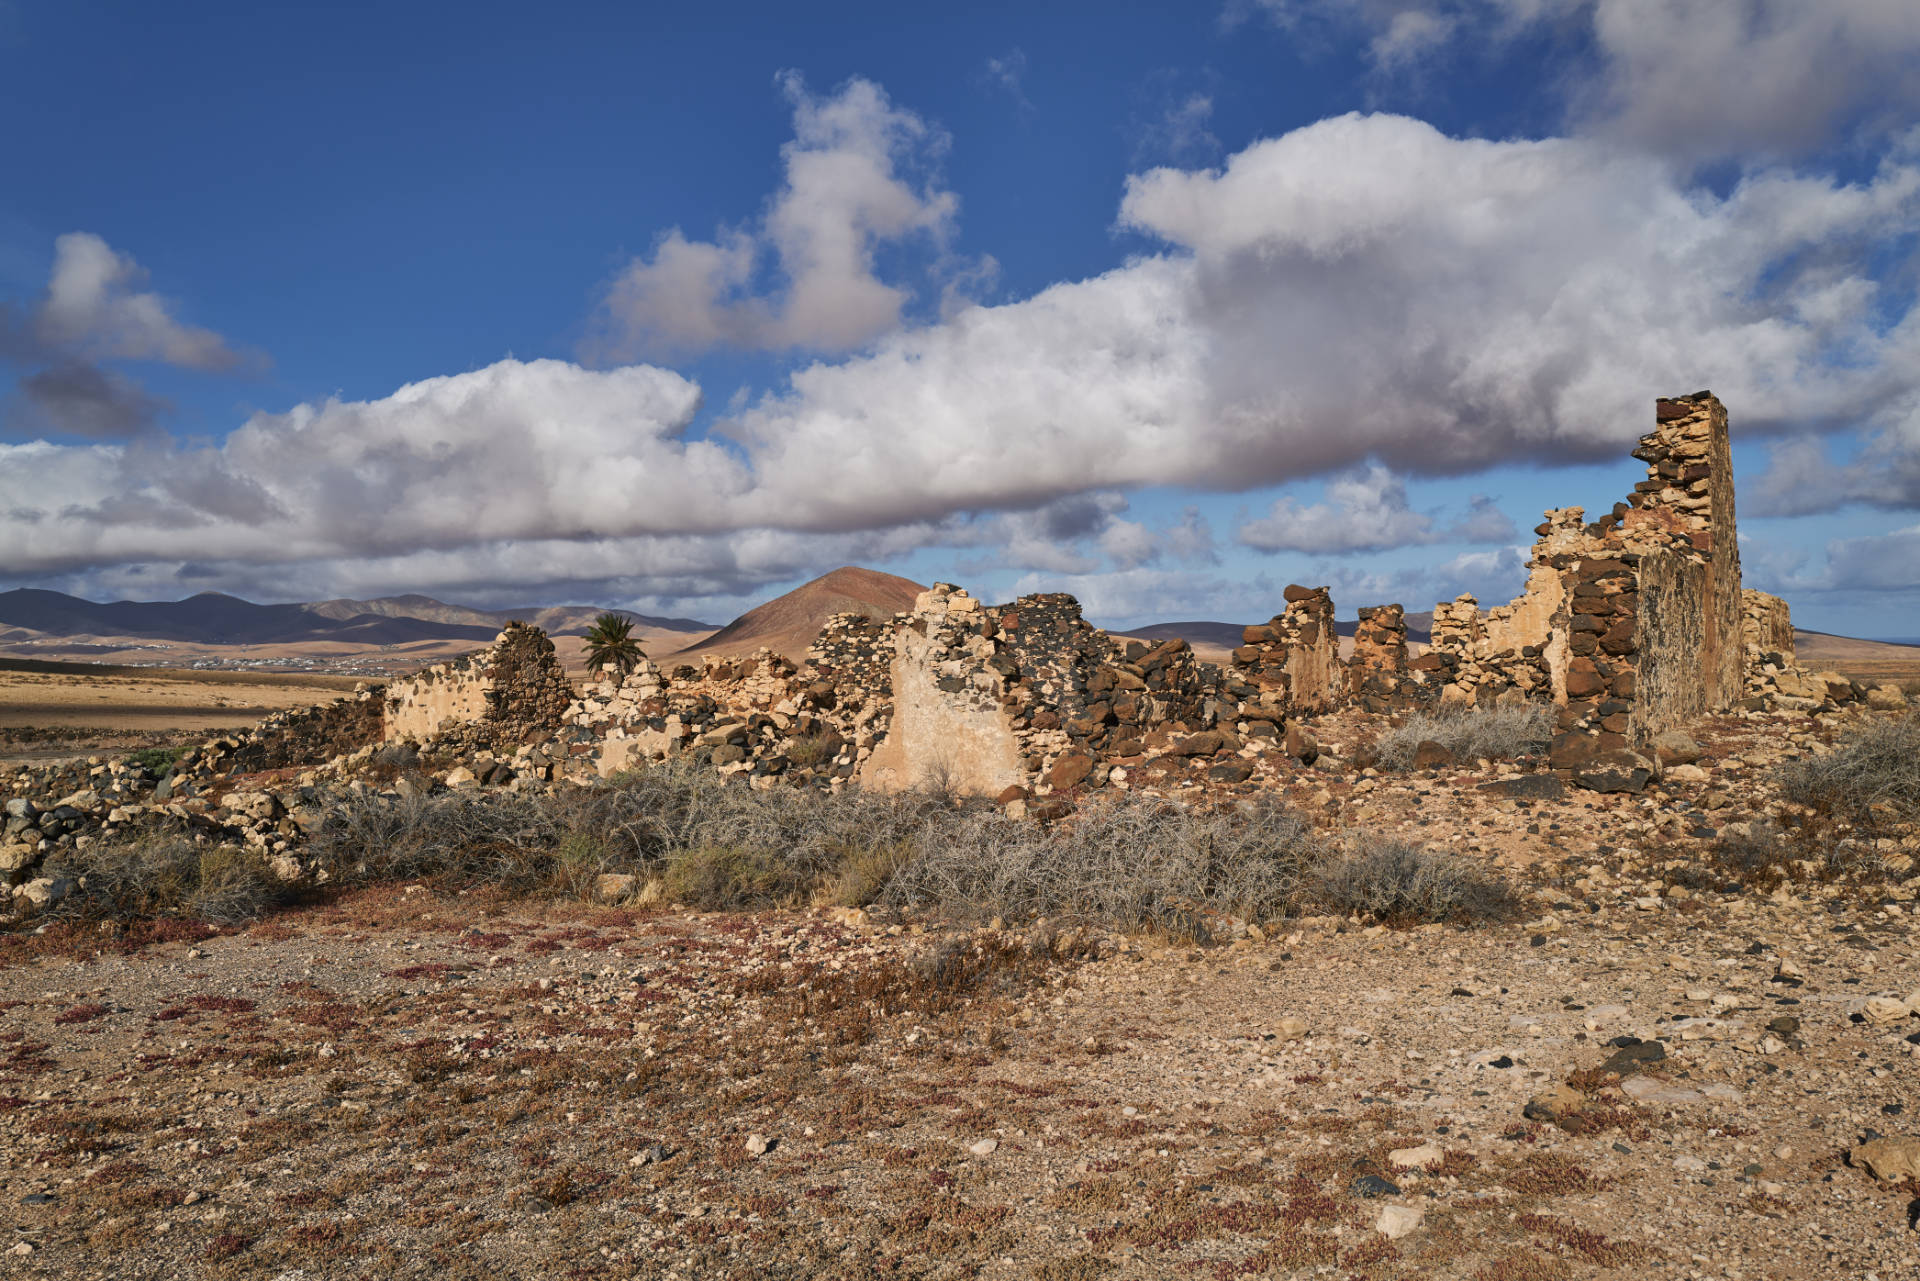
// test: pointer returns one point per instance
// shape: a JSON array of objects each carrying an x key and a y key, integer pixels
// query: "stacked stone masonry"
[
  {"x": 1295, "y": 656},
  {"x": 1628, "y": 626}
]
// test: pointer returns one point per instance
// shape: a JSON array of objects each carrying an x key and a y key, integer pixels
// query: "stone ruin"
[{"x": 1629, "y": 626}]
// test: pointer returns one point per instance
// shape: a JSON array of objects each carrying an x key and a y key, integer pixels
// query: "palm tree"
[{"x": 610, "y": 643}]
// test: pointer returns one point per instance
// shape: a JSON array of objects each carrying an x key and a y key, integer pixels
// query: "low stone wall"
[
  {"x": 299, "y": 738},
  {"x": 511, "y": 693}
]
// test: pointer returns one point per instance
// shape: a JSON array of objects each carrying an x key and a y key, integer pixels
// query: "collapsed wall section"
[
  {"x": 511, "y": 693},
  {"x": 299, "y": 737}
]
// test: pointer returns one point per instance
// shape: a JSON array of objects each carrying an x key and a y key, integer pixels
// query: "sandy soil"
[
  {"x": 56, "y": 709},
  {"x": 404, "y": 1086}
]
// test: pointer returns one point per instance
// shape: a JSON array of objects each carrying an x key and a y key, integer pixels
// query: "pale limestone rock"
[
  {"x": 1413, "y": 1158},
  {"x": 1889, "y": 1160},
  {"x": 613, "y": 887},
  {"x": 1397, "y": 1221},
  {"x": 1883, "y": 1010}
]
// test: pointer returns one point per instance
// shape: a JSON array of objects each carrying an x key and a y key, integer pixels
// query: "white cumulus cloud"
[
  {"x": 1364, "y": 290},
  {"x": 854, "y": 182}
]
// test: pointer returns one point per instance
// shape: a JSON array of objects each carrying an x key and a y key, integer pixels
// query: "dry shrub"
[
  {"x": 1871, "y": 778},
  {"x": 814, "y": 749},
  {"x": 1469, "y": 734},
  {"x": 865, "y": 874},
  {"x": 166, "y": 874},
  {"x": 1405, "y": 885},
  {"x": 716, "y": 844},
  {"x": 1766, "y": 858},
  {"x": 719, "y": 877},
  {"x": 1125, "y": 863}
]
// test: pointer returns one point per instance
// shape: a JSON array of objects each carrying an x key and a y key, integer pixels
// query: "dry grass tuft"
[
  {"x": 1468, "y": 734},
  {"x": 1871, "y": 779},
  {"x": 1402, "y": 884}
]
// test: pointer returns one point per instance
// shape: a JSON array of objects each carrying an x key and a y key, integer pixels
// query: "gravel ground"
[
  {"x": 410, "y": 1087},
  {"x": 1641, "y": 1076}
]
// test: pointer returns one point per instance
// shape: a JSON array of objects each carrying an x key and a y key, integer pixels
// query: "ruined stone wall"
[
  {"x": 299, "y": 738},
  {"x": 1378, "y": 676},
  {"x": 510, "y": 693},
  {"x": 1766, "y": 628},
  {"x": 1030, "y": 697},
  {"x": 1686, "y": 506},
  {"x": 1630, "y": 624},
  {"x": 950, "y": 730},
  {"x": 756, "y": 716},
  {"x": 1296, "y": 654}
]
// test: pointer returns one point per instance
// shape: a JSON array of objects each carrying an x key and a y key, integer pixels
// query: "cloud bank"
[
  {"x": 1695, "y": 79},
  {"x": 1364, "y": 297}
]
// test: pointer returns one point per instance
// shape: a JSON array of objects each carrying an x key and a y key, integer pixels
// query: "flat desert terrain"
[{"x": 58, "y": 708}]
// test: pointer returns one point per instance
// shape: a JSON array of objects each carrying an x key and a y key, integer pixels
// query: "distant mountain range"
[
  {"x": 215, "y": 619},
  {"x": 1227, "y": 635},
  {"x": 34, "y": 620}
]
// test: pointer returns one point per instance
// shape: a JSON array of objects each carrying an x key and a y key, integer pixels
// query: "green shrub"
[{"x": 157, "y": 760}]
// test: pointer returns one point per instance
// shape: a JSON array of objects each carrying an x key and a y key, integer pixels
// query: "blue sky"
[{"x": 1167, "y": 306}]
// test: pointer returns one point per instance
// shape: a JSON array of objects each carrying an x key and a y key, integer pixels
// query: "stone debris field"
[{"x": 1622, "y": 1084}]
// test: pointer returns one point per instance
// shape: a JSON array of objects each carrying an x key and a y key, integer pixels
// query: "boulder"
[
  {"x": 1615, "y": 771},
  {"x": 1888, "y": 1160},
  {"x": 1884, "y": 1010},
  {"x": 45, "y": 891},
  {"x": 1887, "y": 698},
  {"x": 1676, "y": 747},
  {"x": 614, "y": 887},
  {"x": 1396, "y": 1221},
  {"x": 1414, "y": 1158},
  {"x": 1560, "y": 1106},
  {"x": 1527, "y": 787},
  {"x": 1301, "y": 744},
  {"x": 1070, "y": 771}
]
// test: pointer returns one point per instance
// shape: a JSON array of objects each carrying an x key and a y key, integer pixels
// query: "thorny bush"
[
  {"x": 1468, "y": 734},
  {"x": 1125, "y": 863},
  {"x": 1871, "y": 778},
  {"x": 1404, "y": 885}
]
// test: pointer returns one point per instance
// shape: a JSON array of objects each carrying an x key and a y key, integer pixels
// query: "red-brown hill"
[{"x": 788, "y": 624}]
